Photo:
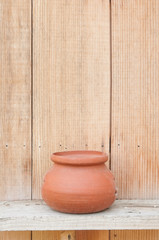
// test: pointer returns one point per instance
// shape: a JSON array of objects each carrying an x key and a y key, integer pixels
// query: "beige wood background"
[
  {"x": 15, "y": 104},
  {"x": 71, "y": 81},
  {"x": 71, "y": 73},
  {"x": 135, "y": 98},
  {"x": 135, "y": 103},
  {"x": 75, "y": 75},
  {"x": 15, "y": 99}
]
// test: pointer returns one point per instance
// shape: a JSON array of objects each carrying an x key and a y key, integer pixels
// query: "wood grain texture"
[
  {"x": 135, "y": 103},
  {"x": 15, "y": 87},
  {"x": 54, "y": 235},
  {"x": 71, "y": 75},
  {"x": 134, "y": 235},
  {"x": 71, "y": 80},
  {"x": 135, "y": 98},
  {"x": 36, "y": 215},
  {"x": 71, "y": 235},
  {"x": 15, "y": 235},
  {"x": 43, "y": 235},
  {"x": 15, "y": 95},
  {"x": 92, "y": 234},
  {"x": 67, "y": 235}
]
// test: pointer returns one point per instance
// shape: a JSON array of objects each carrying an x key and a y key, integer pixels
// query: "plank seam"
[
  {"x": 110, "y": 126},
  {"x": 31, "y": 97}
]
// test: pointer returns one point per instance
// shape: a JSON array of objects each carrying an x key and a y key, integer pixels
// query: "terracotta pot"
[{"x": 79, "y": 182}]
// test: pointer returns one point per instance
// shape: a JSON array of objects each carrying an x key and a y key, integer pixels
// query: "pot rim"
[{"x": 79, "y": 157}]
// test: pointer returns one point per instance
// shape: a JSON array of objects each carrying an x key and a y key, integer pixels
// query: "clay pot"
[{"x": 79, "y": 182}]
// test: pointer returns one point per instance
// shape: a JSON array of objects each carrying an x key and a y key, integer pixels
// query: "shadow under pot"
[{"x": 79, "y": 182}]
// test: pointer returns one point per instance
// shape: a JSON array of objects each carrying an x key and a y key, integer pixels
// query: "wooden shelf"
[{"x": 35, "y": 215}]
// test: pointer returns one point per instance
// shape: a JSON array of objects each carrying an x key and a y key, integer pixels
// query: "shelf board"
[{"x": 36, "y": 215}]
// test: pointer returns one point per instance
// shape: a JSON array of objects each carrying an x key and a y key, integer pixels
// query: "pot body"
[{"x": 78, "y": 188}]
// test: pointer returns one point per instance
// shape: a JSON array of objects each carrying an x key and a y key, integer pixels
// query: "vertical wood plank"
[
  {"x": 15, "y": 117},
  {"x": 134, "y": 235},
  {"x": 135, "y": 103},
  {"x": 67, "y": 235},
  {"x": 135, "y": 98},
  {"x": 92, "y": 234},
  {"x": 53, "y": 235},
  {"x": 71, "y": 81},
  {"x": 71, "y": 235},
  {"x": 15, "y": 235},
  {"x": 15, "y": 87},
  {"x": 46, "y": 235}
]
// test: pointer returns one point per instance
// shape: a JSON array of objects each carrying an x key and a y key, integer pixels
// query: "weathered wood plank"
[
  {"x": 71, "y": 80},
  {"x": 135, "y": 103},
  {"x": 135, "y": 98},
  {"x": 15, "y": 104},
  {"x": 35, "y": 215},
  {"x": 15, "y": 87}
]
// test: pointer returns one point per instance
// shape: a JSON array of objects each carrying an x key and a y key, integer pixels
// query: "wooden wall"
[
  {"x": 15, "y": 104},
  {"x": 79, "y": 75}
]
